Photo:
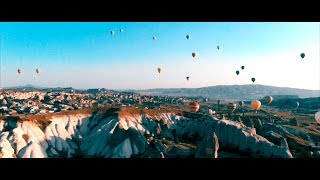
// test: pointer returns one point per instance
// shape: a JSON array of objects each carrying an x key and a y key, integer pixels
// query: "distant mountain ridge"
[
  {"x": 25, "y": 86},
  {"x": 30, "y": 87},
  {"x": 233, "y": 92},
  {"x": 226, "y": 92}
]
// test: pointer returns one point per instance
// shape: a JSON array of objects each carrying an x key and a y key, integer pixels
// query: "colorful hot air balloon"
[
  {"x": 38, "y": 71},
  {"x": 194, "y": 106},
  {"x": 187, "y": 78},
  {"x": 159, "y": 70},
  {"x": 253, "y": 79},
  {"x": 302, "y": 55},
  {"x": 269, "y": 99},
  {"x": 317, "y": 116},
  {"x": 111, "y": 32},
  {"x": 242, "y": 67},
  {"x": 154, "y": 38},
  {"x": 237, "y": 72},
  {"x": 188, "y": 36},
  {"x": 19, "y": 71},
  {"x": 194, "y": 54},
  {"x": 256, "y": 105},
  {"x": 232, "y": 107}
]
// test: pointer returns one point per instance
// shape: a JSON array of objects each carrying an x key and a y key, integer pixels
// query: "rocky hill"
[{"x": 131, "y": 132}]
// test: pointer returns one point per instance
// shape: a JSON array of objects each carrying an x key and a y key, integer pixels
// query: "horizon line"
[{"x": 135, "y": 89}]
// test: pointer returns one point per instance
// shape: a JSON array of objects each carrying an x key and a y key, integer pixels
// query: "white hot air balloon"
[
  {"x": 212, "y": 112},
  {"x": 317, "y": 116}
]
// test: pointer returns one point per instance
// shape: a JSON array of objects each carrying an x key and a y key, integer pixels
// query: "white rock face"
[
  {"x": 32, "y": 150},
  {"x": 113, "y": 137},
  {"x": 2, "y": 123},
  {"x": 232, "y": 134},
  {"x": 6, "y": 151},
  {"x": 208, "y": 147}
]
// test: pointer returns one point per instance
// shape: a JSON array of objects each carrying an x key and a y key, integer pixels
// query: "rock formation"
[{"x": 112, "y": 136}]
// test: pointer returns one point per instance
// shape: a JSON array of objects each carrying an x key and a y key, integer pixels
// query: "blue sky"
[{"x": 86, "y": 55}]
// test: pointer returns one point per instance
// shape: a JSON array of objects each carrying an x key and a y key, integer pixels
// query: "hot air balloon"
[
  {"x": 111, "y": 32},
  {"x": 232, "y": 107},
  {"x": 188, "y": 36},
  {"x": 38, "y": 71},
  {"x": 269, "y": 99},
  {"x": 242, "y": 67},
  {"x": 194, "y": 106},
  {"x": 237, "y": 72},
  {"x": 121, "y": 30},
  {"x": 253, "y": 79},
  {"x": 187, "y": 78},
  {"x": 159, "y": 70},
  {"x": 194, "y": 54},
  {"x": 241, "y": 103},
  {"x": 211, "y": 112},
  {"x": 317, "y": 116},
  {"x": 154, "y": 38},
  {"x": 256, "y": 105},
  {"x": 19, "y": 71},
  {"x": 218, "y": 47},
  {"x": 302, "y": 55}
]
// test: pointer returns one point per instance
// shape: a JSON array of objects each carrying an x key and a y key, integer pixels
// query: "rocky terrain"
[
  {"x": 14, "y": 102},
  {"x": 137, "y": 133},
  {"x": 127, "y": 125}
]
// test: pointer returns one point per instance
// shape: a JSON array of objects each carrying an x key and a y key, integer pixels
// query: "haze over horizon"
[{"x": 85, "y": 55}]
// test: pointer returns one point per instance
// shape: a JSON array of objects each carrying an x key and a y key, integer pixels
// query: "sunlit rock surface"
[{"x": 99, "y": 135}]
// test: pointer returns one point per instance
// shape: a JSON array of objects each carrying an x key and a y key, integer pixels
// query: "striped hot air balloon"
[
  {"x": 269, "y": 99},
  {"x": 194, "y": 106}
]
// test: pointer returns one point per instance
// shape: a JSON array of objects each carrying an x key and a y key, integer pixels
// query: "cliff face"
[
  {"x": 112, "y": 136},
  {"x": 235, "y": 135}
]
